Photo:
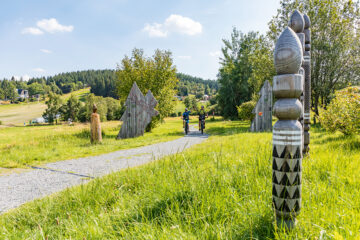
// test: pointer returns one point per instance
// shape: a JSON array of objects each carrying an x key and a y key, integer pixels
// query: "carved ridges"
[
  {"x": 288, "y": 132},
  {"x": 288, "y": 53},
  {"x": 307, "y": 84}
]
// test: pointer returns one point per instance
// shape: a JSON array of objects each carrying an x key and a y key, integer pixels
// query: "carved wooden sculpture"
[
  {"x": 138, "y": 114},
  {"x": 287, "y": 131},
  {"x": 297, "y": 23},
  {"x": 307, "y": 85},
  {"x": 263, "y": 110},
  {"x": 95, "y": 126}
]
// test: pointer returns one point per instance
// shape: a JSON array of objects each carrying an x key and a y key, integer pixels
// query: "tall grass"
[{"x": 220, "y": 189}]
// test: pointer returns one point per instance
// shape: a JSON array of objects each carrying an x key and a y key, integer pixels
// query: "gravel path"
[{"x": 19, "y": 188}]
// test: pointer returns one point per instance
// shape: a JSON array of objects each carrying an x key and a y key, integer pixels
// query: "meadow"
[
  {"x": 18, "y": 114},
  {"x": 220, "y": 189},
  {"x": 34, "y": 145}
]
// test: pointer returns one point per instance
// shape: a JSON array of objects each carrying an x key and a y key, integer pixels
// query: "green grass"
[
  {"x": 220, "y": 189},
  {"x": 35, "y": 145}
]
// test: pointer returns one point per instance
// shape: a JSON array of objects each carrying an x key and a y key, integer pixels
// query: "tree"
[
  {"x": 246, "y": 63},
  {"x": 36, "y": 88},
  {"x": 157, "y": 74},
  {"x": 335, "y": 45},
  {"x": 343, "y": 112},
  {"x": 54, "y": 104},
  {"x": 71, "y": 108}
]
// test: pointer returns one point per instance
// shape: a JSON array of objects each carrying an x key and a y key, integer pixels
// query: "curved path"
[{"x": 19, "y": 188}]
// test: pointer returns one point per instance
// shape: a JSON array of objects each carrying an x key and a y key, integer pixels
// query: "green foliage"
[
  {"x": 7, "y": 90},
  {"x": 246, "y": 64},
  {"x": 54, "y": 104},
  {"x": 35, "y": 88},
  {"x": 1, "y": 123},
  {"x": 245, "y": 110},
  {"x": 191, "y": 103},
  {"x": 156, "y": 74},
  {"x": 193, "y": 85},
  {"x": 71, "y": 109},
  {"x": 335, "y": 43},
  {"x": 342, "y": 113}
]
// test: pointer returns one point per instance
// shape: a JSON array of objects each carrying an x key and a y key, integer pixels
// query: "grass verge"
[
  {"x": 33, "y": 145},
  {"x": 220, "y": 189}
]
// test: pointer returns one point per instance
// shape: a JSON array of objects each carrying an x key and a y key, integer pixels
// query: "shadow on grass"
[{"x": 262, "y": 227}]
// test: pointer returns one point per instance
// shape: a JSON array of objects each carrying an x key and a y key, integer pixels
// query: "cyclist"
[
  {"x": 185, "y": 116},
  {"x": 202, "y": 116}
]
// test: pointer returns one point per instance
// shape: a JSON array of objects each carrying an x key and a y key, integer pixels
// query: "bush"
[
  {"x": 1, "y": 122},
  {"x": 245, "y": 110},
  {"x": 173, "y": 115},
  {"x": 179, "y": 114},
  {"x": 342, "y": 113}
]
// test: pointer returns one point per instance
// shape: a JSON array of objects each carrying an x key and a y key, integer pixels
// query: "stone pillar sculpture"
[
  {"x": 307, "y": 85},
  {"x": 287, "y": 131},
  {"x": 138, "y": 114},
  {"x": 95, "y": 126},
  {"x": 263, "y": 110}
]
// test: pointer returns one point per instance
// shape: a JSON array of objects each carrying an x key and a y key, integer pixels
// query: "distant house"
[{"x": 22, "y": 93}]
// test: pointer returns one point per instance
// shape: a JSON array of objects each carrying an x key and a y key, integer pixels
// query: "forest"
[{"x": 101, "y": 83}]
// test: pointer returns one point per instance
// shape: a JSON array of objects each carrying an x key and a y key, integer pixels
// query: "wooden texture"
[
  {"x": 263, "y": 110},
  {"x": 288, "y": 131},
  {"x": 95, "y": 128},
  {"x": 138, "y": 114}
]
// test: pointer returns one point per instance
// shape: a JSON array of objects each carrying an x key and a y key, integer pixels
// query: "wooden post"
[
  {"x": 307, "y": 85},
  {"x": 95, "y": 126},
  {"x": 287, "y": 131}
]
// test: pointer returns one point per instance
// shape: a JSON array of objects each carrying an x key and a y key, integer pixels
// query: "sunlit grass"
[
  {"x": 20, "y": 146},
  {"x": 220, "y": 189}
]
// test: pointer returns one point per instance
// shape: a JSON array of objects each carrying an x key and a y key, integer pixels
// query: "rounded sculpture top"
[
  {"x": 297, "y": 22},
  {"x": 288, "y": 53},
  {"x": 307, "y": 21},
  {"x": 94, "y": 108}
]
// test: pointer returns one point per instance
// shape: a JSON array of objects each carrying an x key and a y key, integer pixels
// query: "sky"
[{"x": 47, "y": 37}]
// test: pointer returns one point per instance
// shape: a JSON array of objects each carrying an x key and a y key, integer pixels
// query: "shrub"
[
  {"x": 173, "y": 115},
  {"x": 179, "y": 114},
  {"x": 1, "y": 122},
  {"x": 342, "y": 113},
  {"x": 245, "y": 110}
]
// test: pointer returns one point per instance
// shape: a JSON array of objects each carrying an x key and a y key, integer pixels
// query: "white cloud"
[
  {"x": 184, "y": 57},
  {"x": 51, "y": 25},
  {"x": 46, "y": 51},
  {"x": 215, "y": 53},
  {"x": 32, "y": 31},
  {"x": 25, "y": 77},
  {"x": 155, "y": 30},
  {"x": 174, "y": 23},
  {"x": 38, "y": 70}
]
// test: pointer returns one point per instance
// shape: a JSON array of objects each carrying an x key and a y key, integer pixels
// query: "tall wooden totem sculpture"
[
  {"x": 307, "y": 85},
  {"x": 287, "y": 131},
  {"x": 138, "y": 114}
]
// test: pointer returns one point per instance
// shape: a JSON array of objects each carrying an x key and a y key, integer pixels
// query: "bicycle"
[{"x": 186, "y": 126}]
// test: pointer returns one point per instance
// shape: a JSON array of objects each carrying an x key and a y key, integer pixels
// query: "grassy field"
[
  {"x": 35, "y": 145},
  {"x": 17, "y": 114},
  {"x": 220, "y": 189}
]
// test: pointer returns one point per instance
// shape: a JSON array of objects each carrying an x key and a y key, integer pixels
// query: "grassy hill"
[
  {"x": 17, "y": 114},
  {"x": 220, "y": 189}
]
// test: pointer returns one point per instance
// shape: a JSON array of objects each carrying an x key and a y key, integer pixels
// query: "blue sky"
[{"x": 42, "y": 38}]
